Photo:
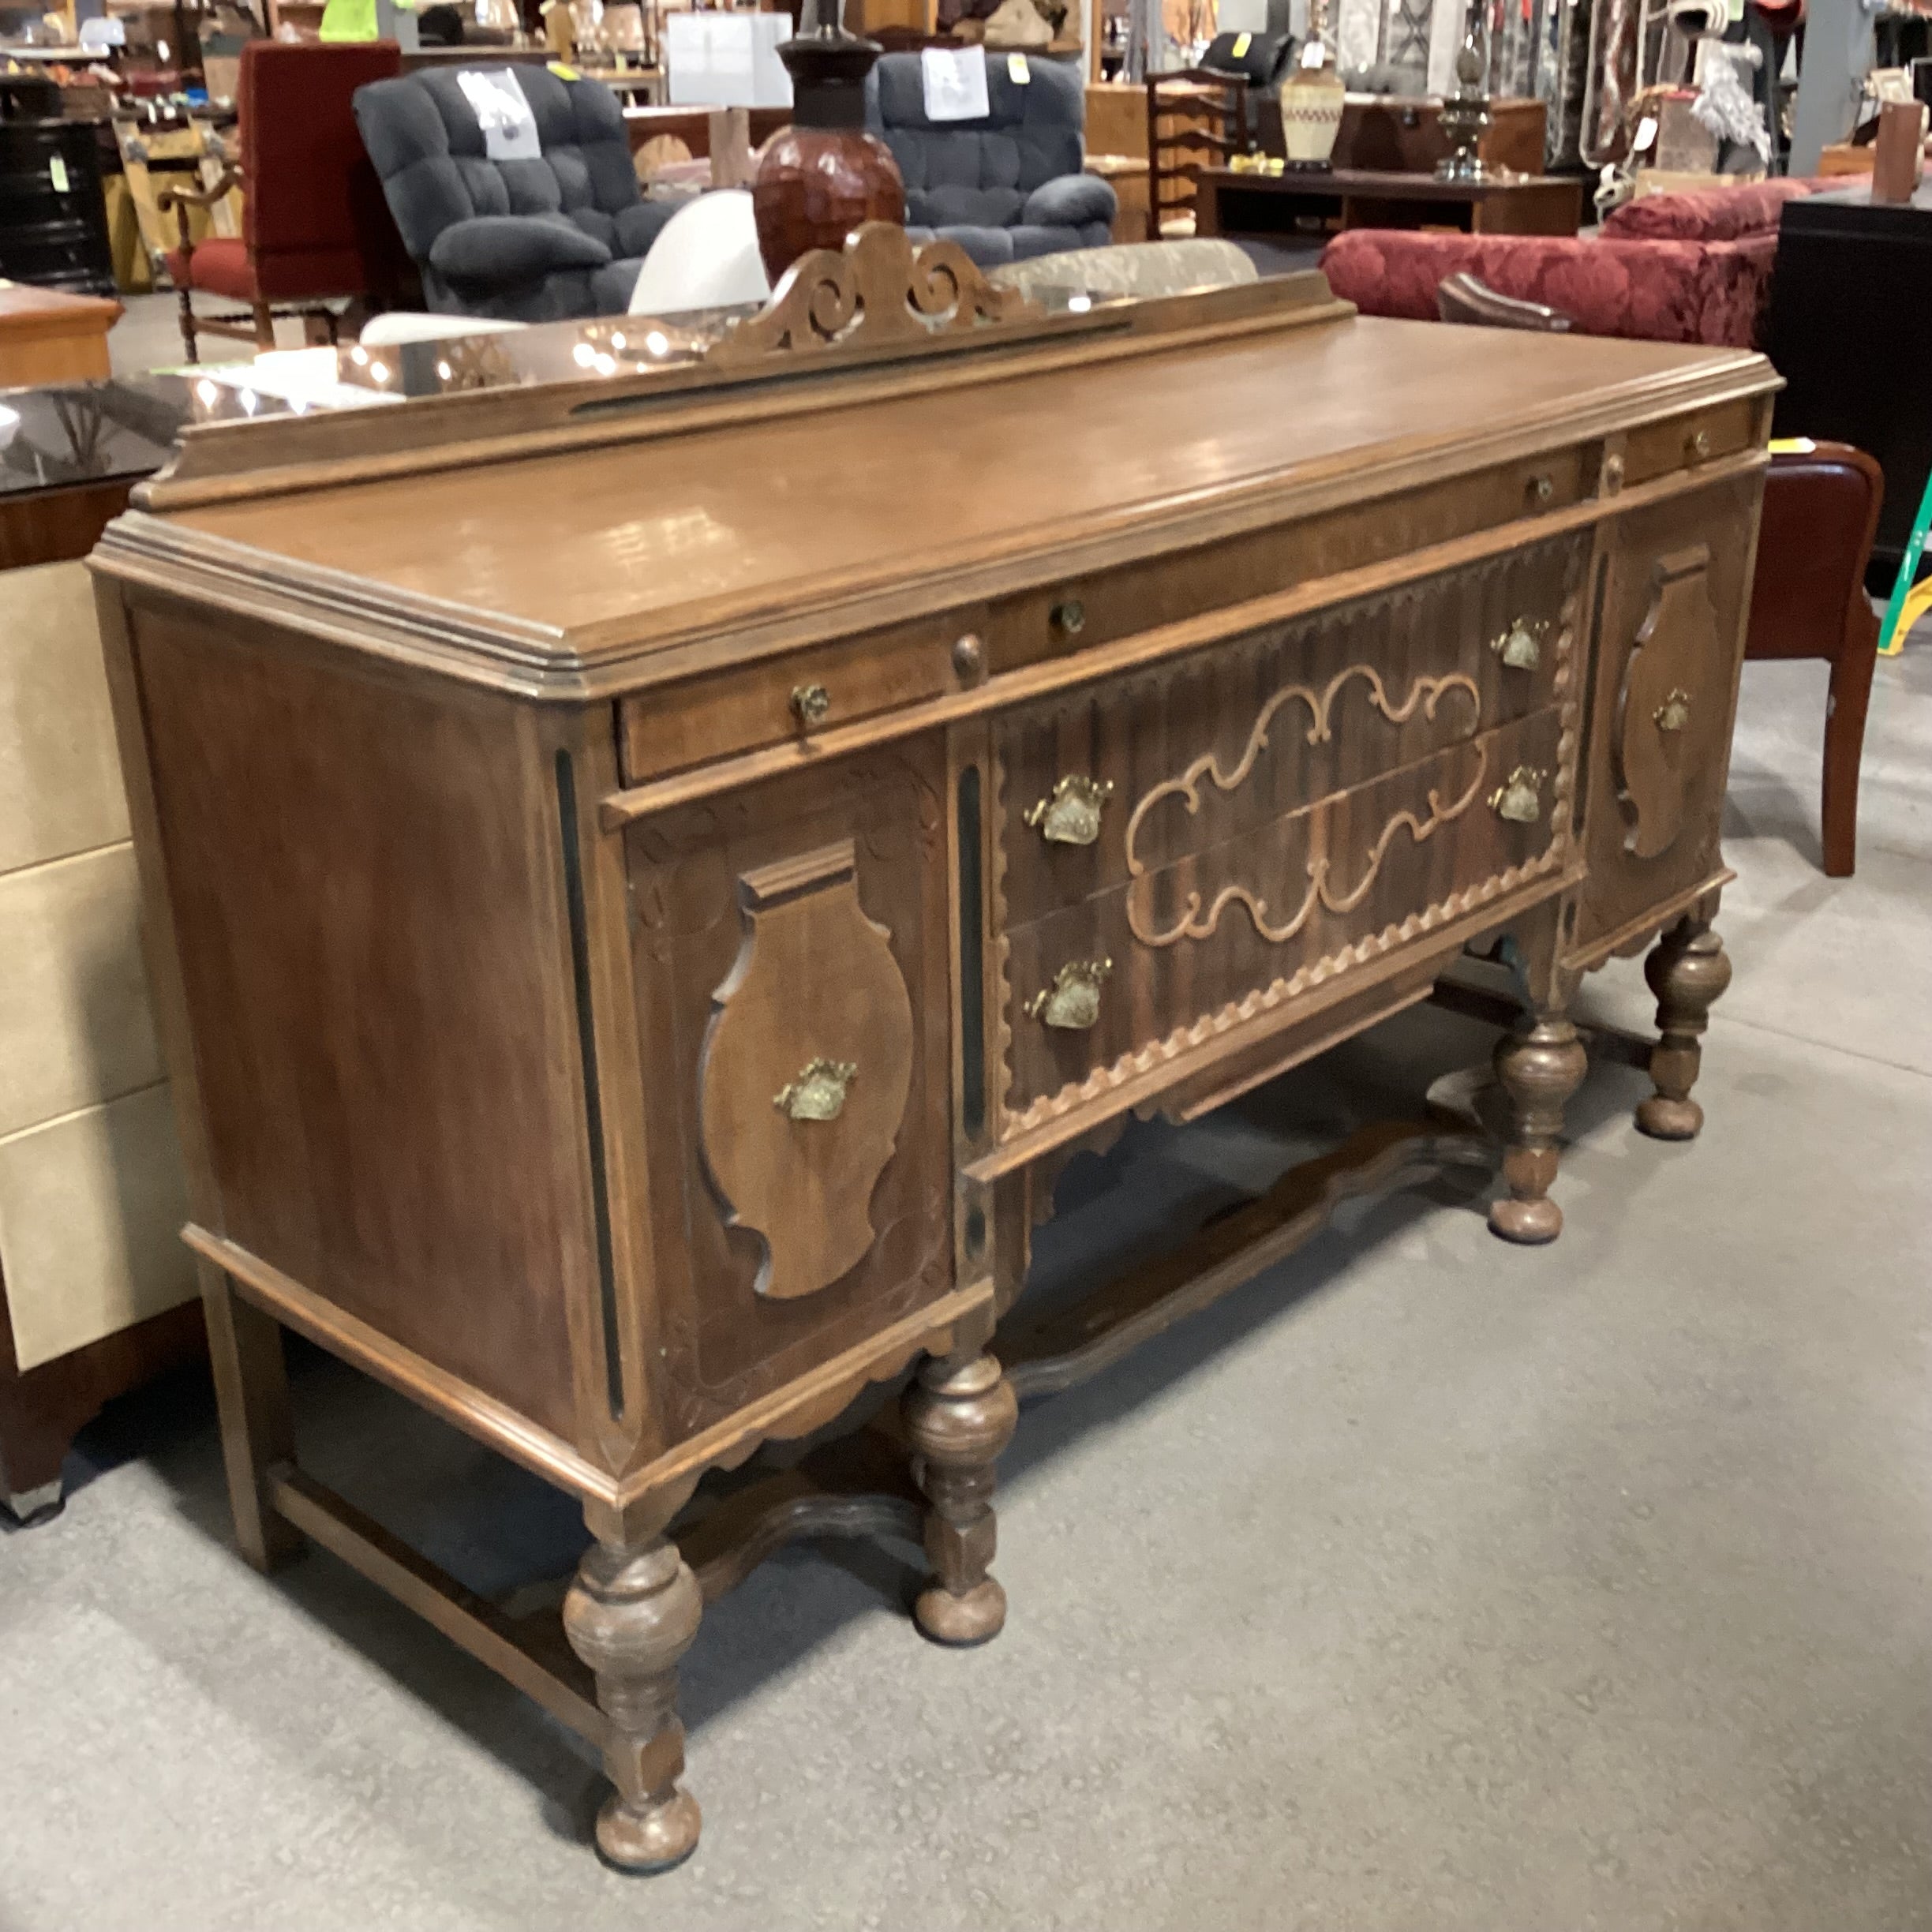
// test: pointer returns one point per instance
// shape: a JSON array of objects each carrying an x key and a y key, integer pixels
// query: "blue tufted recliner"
[
  {"x": 539, "y": 241},
  {"x": 1006, "y": 188}
]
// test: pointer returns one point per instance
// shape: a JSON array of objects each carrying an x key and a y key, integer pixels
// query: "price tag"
[
  {"x": 1313, "y": 54},
  {"x": 563, "y": 70},
  {"x": 56, "y": 171},
  {"x": 1017, "y": 71},
  {"x": 1242, "y": 43},
  {"x": 1646, "y": 133}
]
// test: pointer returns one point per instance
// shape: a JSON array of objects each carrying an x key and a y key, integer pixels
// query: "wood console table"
[
  {"x": 1280, "y": 206},
  {"x": 633, "y": 961}
]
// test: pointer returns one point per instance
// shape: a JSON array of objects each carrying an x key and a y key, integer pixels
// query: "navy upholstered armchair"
[
  {"x": 560, "y": 236},
  {"x": 1005, "y": 188}
]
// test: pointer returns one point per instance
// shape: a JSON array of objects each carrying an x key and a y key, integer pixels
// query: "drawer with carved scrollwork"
[
  {"x": 1151, "y": 970},
  {"x": 1296, "y": 712}
]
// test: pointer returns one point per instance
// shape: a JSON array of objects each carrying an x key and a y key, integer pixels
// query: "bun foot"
[
  {"x": 1528, "y": 1223},
  {"x": 649, "y": 1837},
  {"x": 1687, "y": 970},
  {"x": 1663, "y": 1118},
  {"x": 961, "y": 1621},
  {"x": 1539, "y": 1066},
  {"x": 959, "y": 1414}
]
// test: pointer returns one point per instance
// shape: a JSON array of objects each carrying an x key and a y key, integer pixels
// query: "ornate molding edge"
[{"x": 877, "y": 291}]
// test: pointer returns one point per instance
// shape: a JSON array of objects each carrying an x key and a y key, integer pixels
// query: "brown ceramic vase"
[{"x": 824, "y": 175}]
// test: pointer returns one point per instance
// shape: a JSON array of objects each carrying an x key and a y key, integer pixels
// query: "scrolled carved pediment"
[{"x": 877, "y": 291}]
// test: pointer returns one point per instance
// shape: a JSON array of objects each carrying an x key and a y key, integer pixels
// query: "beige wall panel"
[
  {"x": 91, "y": 1210},
  {"x": 60, "y": 778},
  {"x": 75, "y": 1023}
]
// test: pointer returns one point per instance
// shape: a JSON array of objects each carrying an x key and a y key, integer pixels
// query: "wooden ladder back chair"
[{"x": 1196, "y": 118}]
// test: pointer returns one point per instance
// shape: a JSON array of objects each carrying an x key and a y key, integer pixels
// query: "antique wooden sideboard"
[{"x": 649, "y": 876}]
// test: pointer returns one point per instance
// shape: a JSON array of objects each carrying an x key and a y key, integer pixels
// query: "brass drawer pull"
[
  {"x": 1068, "y": 618},
  {"x": 1520, "y": 800},
  {"x": 1542, "y": 489},
  {"x": 1073, "y": 1000},
  {"x": 1070, "y": 813},
  {"x": 1521, "y": 646},
  {"x": 811, "y": 704},
  {"x": 968, "y": 658},
  {"x": 1674, "y": 713},
  {"x": 1698, "y": 444},
  {"x": 818, "y": 1093}
]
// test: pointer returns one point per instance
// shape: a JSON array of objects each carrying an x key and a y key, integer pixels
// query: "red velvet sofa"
[{"x": 1692, "y": 268}]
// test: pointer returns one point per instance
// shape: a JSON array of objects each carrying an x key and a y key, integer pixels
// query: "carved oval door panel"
[
  {"x": 1668, "y": 597},
  {"x": 1676, "y": 702},
  {"x": 790, "y": 948},
  {"x": 807, "y": 1064}
]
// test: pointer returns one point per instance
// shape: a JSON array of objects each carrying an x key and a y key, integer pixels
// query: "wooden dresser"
[{"x": 649, "y": 877}]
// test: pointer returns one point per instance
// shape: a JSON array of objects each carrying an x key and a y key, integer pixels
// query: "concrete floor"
[{"x": 1424, "y": 1584}]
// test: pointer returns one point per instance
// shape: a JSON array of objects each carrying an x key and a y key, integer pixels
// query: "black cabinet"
[
  {"x": 53, "y": 219},
  {"x": 1850, "y": 331}
]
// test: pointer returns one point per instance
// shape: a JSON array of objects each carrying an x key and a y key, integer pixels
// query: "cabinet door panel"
[
  {"x": 1674, "y": 593},
  {"x": 790, "y": 945}
]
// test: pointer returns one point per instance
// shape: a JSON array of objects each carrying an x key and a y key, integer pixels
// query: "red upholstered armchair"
[
  {"x": 1692, "y": 268},
  {"x": 313, "y": 220}
]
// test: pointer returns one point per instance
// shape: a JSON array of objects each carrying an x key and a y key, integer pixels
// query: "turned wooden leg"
[
  {"x": 632, "y": 1613},
  {"x": 960, "y": 1414},
  {"x": 187, "y": 326},
  {"x": 251, "y": 1390},
  {"x": 1687, "y": 970},
  {"x": 1539, "y": 1066}
]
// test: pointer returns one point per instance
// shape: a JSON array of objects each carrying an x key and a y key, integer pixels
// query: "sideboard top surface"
[{"x": 577, "y": 564}]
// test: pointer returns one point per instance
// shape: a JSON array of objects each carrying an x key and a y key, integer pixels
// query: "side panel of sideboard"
[{"x": 364, "y": 879}]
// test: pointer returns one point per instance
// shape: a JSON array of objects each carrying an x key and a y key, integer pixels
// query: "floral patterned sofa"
[{"x": 1691, "y": 268}]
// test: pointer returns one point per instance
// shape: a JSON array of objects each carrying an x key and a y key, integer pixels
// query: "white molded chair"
[{"x": 706, "y": 257}]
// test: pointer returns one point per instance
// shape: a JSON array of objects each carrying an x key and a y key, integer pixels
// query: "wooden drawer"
[
  {"x": 1680, "y": 441},
  {"x": 1254, "y": 730},
  {"x": 704, "y": 718},
  {"x": 1080, "y": 611},
  {"x": 1261, "y": 916}
]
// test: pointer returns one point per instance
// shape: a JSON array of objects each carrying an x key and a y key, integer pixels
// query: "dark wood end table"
[{"x": 1306, "y": 203}]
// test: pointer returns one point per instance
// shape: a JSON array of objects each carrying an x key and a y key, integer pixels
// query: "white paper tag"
[
  {"x": 1646, "y": 133},
  {"x": 509, "y": 128},
  {"x": 1313, "y": 54},
  {"x": 956, "y": 83},
  {"x": 1017, "y": 71},
  {"x": 57, "y": 173}
]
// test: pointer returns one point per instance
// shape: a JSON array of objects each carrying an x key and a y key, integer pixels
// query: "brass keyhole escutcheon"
[
  {"x": 1698, "y": 443},
  {"x": 811, "y": 704},
  {"x": 1068, "y": 618},
  {"x": 818, "y": 1093},
  {"x": 1520, "y": 799},
  {"x": 1072, "y": 1002},
  {"x": 1521, "y": 646},
  {"x": 1542, "y": 489},
  {"x": 1070, "y": 813},
  {"x": 1674, "y": 713}
]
